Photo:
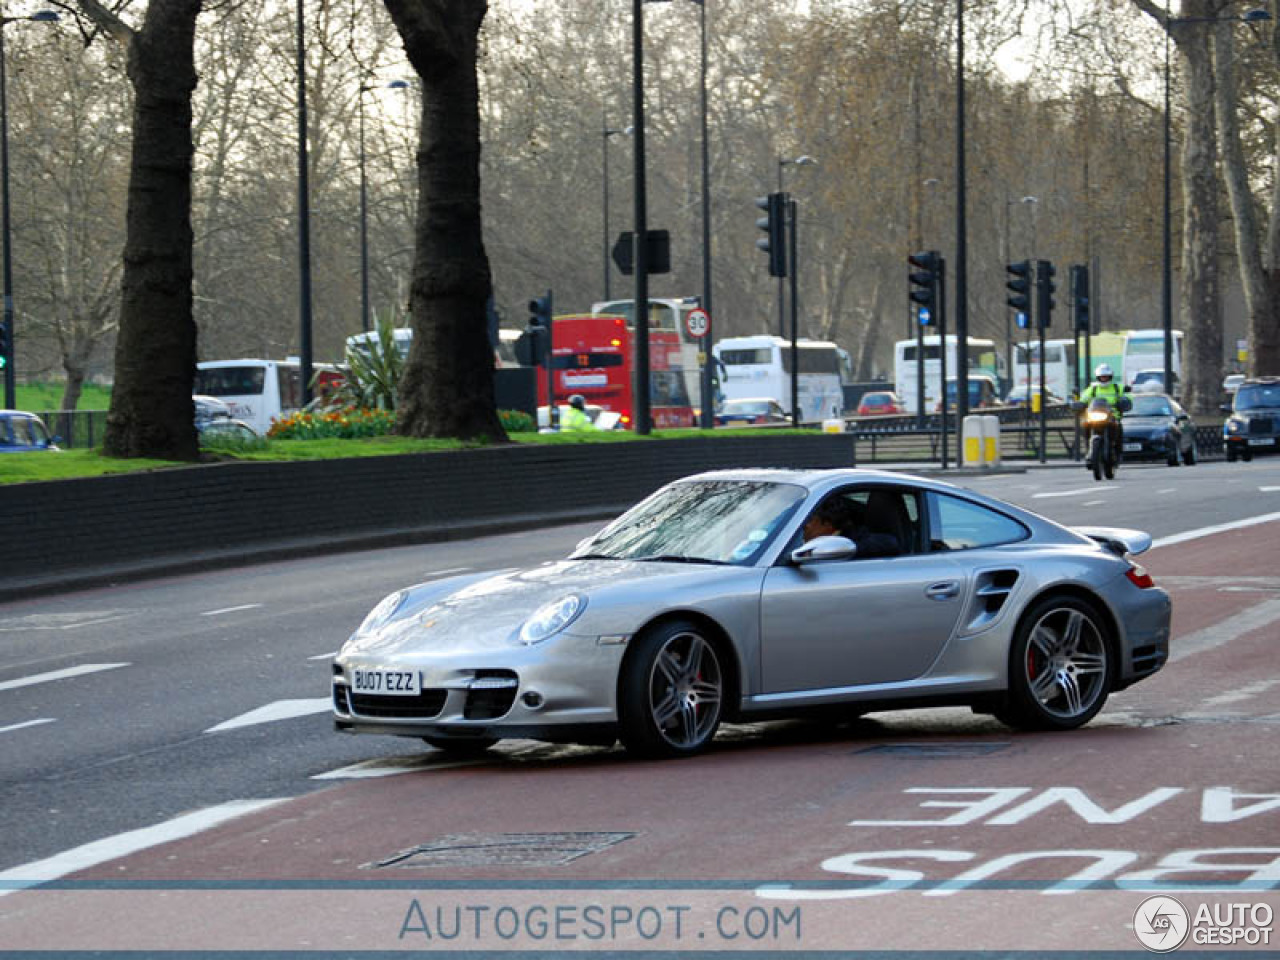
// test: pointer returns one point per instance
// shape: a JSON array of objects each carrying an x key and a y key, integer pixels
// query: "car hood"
[
  {"x": 1146, "y": 423},
  {"x": 488, "y": 613}
]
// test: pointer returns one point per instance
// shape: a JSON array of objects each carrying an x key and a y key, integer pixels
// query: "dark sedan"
[
  {"x": 1254, "y": 424},
  {"x": 1157, "y": 428},
  {"x": 755, "y": 410}
]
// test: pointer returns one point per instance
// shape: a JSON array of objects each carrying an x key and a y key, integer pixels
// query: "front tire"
[
  {"x": 671, "y": 692},
  {"x": 1095, "y": 456},
  {"x": 1061, "y": 666},
  {"x": 1189, "y": 458}
]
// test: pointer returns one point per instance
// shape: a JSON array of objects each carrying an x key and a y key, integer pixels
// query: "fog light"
[{"x": 532, "y": 699}]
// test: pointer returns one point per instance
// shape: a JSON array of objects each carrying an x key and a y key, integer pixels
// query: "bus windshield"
[{"x": 230, "y": 381}]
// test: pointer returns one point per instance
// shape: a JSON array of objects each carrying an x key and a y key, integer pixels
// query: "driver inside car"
[{"x": 840, "y": 516}]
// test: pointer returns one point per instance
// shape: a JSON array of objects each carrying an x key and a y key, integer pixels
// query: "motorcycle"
[{"x": 1101, "y": 429}]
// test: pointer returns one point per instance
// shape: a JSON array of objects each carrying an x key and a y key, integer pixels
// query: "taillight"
[
  {"x": 1138, "y": 576},
  {"x": 758, "y": 420}
]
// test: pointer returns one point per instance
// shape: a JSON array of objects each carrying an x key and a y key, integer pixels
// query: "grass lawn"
[
  {"x": 42, "y": 397},
  {"x": 27, "y": 467}
]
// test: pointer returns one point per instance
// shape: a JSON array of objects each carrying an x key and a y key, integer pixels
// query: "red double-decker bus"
[{"x": 594, "y": 354}]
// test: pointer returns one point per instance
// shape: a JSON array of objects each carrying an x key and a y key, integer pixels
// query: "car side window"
[{"x": 961, "y": 525}]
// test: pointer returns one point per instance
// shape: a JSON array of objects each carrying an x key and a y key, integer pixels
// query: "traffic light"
[
  {"x": 4, "y": 346},
  {"x": 531, "y": 348},
  {"x": 774, "y": 224},
  {"x": 1045, "y": 288},
  {"x": 1080, "y": 297},
  {"x": 924, "y": 285},
  {"x": 1019, "y": 284}
]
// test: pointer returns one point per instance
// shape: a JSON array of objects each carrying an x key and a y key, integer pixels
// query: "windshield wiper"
[
  {"x": 679, "y": 558},
  {"x": 594, "y": 556}
]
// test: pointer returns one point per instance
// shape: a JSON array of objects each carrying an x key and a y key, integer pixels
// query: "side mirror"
[
  {"x": 824, "y": 548},
  {"x": 1128, "y": 388},
  {"x": 1225, "y": 407}
]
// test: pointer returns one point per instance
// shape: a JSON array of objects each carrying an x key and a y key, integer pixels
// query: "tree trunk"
[
  {"x": 1200, "y": 311},
  {"x": 151, "y": 413},
  {"x": 447, "y": 387},
  {"x": 1259, "y": 304}
]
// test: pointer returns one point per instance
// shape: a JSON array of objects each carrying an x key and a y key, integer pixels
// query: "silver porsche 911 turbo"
[{"x": 752, "y": 594}]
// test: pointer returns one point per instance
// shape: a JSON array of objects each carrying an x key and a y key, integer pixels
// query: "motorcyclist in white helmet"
[{"x": 1105, "y": 386}]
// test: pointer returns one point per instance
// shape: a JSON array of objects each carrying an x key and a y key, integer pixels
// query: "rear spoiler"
[{"x": 1117, "y": 539}]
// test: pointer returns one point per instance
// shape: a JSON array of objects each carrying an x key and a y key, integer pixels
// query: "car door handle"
[{"x": 946, "y": 590}]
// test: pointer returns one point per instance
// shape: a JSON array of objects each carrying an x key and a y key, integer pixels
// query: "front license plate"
[
  {"x": 386, "y": 683},
  {"x": 1132, "y": 447},
  {"x": 1262, "y": 441}
]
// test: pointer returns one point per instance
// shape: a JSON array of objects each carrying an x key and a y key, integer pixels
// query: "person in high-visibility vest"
[
  {"x": 575, "y": 417},
  {"x": 1105, "y": 386}
]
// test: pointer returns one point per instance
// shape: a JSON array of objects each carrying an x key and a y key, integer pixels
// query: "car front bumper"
[{"x": 567, "y": 682}]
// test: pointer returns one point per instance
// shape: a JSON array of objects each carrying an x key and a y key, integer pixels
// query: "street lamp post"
[
  {"x": 804, "y": 160},
  {"x": 605, "y": 133},
  {"x": 43, "y": 16},
  {"x": 708, "y": 414},
  {"x": 1166, "y": 267},
  {"x": 304, "y": 215},
  {"x": 364, "y": 209},
  {"x": 1008, "y": 315}
]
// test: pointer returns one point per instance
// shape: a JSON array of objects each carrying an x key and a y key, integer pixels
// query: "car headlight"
[
  {"x": 384, "y": 611},
  {"x": 1233, "y": 426},
  {"x": 550, "y": 618}
]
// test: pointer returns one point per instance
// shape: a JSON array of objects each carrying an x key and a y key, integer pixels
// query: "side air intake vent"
[{"x": 992, "y": 590}]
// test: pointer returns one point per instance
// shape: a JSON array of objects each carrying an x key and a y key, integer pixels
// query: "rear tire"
[
  {"x": 1061, "y": 666},
  {"x": 671, "y": 692}
]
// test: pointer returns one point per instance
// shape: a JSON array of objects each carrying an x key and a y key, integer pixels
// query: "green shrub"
[{"x": 516, "y": 421}]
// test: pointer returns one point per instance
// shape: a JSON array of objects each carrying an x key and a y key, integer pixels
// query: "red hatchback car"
[{"x": 879, "y": 403}]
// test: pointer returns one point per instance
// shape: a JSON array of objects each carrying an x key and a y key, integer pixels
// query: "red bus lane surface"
[{"x": 930, "y": 830}]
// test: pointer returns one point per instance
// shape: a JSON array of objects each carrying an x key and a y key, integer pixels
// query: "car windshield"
[
  {"x": 700, "y": 521},
  {"x": 1151, "y": 407},
  {"x": 1257, "y": 395},
  {"x": 755, "y": 407}
]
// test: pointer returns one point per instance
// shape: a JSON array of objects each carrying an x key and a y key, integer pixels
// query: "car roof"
[{"x": 1268, "y": 381}]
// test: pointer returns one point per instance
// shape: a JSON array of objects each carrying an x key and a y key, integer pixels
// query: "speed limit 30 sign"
[{"x": 697, "y": 321}]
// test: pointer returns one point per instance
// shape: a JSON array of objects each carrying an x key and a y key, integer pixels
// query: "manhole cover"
[
  {"x": 504, "y": 849},
  {"x": 937, "y": 749}
]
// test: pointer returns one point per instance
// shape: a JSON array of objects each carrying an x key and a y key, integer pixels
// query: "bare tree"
[
  {"x": 447, "y": 388},
  {"x": 1259, "y": 267},
  {"x": 151, "y": 413}
]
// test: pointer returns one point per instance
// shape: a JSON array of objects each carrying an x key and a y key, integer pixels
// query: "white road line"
[
  {"x": 1254, "y": 618},
  {"x": 1209, "y": 531},
  {"x": 123, "y": 844},
  {"x": 59, "y": 675},
  {"x": 1270, "y": 489},
  {"x": 1072, "y": 493},
  {"x": 29, "y": 723},
  {"x": 392, "y": 766},
  {"x": 1093, "y": 503},
  {"x": 442, "y": 573},
  {"x": 92, "y": 623},
  {"x": 324, "y": 656},
  {"x": 243, "y": 606},
  {"x": 1168, "y": 490},
  {"x": 280, "y": 710}
]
